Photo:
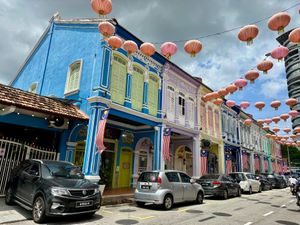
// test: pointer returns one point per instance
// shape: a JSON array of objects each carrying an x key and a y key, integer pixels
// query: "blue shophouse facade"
[{"x": 72, "y": 61}]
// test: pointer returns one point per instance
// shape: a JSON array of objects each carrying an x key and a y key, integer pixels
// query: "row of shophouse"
[{"x": 73, "y": 65}]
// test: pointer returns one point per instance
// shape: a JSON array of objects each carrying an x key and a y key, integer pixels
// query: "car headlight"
[
  {"x": 57, "y": 191},
  {"x": 96, "y": 191}
]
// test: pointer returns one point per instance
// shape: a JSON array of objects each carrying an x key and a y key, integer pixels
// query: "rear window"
[
  {"x": 148, "y": 177},
  {"x": 210, "y": 177}
]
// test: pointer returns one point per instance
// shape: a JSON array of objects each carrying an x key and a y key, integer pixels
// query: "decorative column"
[
  {"x": 91, "y": 161},
  {"x": 196, "y": 156},
  {"x": 145, "y": 95},
  {"x": 252, "y": 162},
  {"x": 221, "y": 159},
  {"x": 128, "y": 85},
  {"x": 159, "y": 111},
  {"x": 70, "y": 152},
  {"x": 157, "y": 147},
  {"x": 162, "y": 161}
]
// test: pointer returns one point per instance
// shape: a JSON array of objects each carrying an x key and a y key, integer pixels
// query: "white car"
[{"x": 247, "y": 181}]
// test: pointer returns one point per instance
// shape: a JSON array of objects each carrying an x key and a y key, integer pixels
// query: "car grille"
[{"x": 81, "y": 193}]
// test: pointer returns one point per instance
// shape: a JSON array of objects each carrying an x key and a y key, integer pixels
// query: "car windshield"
[
  {"x": 237, "y": 176},
  {"x": 210, "y": 177},
  {"x": 65, "y": 170}
]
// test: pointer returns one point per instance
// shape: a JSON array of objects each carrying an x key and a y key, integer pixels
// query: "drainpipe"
[{"x": 48, "y": 50}]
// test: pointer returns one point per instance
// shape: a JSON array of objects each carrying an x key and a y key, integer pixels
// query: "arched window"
[
  {"x": 118, "y": 79},
  {"x": 73, "y": 78},
  {"x": 137, "y": 88},
  {"x": 153, "y": 95}
]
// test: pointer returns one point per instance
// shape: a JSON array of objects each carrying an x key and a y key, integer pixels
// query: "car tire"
[
  {"x": 250, "y": 191},
  {"x": 9, "y": 196},
  {"x": 140, "y": 204},
  {"x": 168, "y": 202},
  {"x": 38, "y": 210},
  {"x": 239, "y": 193},
  {"x": 225, "y": 194},
  {"x": 199, "y": 199}
]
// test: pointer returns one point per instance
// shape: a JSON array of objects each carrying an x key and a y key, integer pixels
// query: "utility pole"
[{"x": 288, "y": 151}]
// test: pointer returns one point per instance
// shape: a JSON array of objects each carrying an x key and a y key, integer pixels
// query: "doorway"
[{"x": 125, "y": 168}]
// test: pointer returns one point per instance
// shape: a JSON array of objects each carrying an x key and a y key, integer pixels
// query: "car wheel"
[
  {"x": 259, "y": 190},
  {"x": 38, "y": 211},
  {"x": 9, "y": 196},
  {"x": 271, "y": 187},
  {"x": 225, "y": 194},
  {"x": 250, "y": 191},
  {"x": 199, "y": 199},
  {"x": 239, "y": 193},
  {"x": 168, "y": 202},
  {"x": 140, "y": 204}
]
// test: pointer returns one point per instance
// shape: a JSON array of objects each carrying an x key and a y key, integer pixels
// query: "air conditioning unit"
[{"x": 58, "y": 123}]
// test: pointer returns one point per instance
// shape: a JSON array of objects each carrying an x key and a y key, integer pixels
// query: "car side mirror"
[{"x": 192, "y": 181}]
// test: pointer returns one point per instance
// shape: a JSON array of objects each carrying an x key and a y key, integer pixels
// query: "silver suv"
[{"x": 167, "y": 187}]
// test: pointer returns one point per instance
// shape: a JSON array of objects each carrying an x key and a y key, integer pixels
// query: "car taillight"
[
  {"x": 216, "y": 183},
  {"x": 159, "y": 180}
]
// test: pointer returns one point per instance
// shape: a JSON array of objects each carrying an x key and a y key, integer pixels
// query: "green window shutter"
[
  {"x": 137, "y": 90},
  {"x": 118, "y": 81},
  {"x": 153, "y": 96}
]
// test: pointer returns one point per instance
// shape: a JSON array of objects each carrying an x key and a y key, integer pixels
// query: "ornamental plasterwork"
[{"x": 148, "y": 61}]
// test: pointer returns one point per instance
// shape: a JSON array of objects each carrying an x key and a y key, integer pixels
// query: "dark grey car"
[{"x": 219, "y": 185}]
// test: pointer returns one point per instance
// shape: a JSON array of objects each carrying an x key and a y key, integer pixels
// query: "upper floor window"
[
  {"x": 33, "y": 87},
  {"x": 73, "y": 78},
  {"x": 170, "y": 103},
  {"x": 137, "y": 88},
  {"x": 153, "y": 94},
  {"x": 181, "y": 104},
  {"x": 191, "y": 111}
]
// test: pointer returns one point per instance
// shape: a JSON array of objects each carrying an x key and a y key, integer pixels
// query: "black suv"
[{"x": 52, "y": 188}]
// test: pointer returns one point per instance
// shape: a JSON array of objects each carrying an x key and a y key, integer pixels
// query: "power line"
[{"x": 231, "y": 29}]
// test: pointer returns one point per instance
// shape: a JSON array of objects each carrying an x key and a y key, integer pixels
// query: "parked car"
[
  {"x": 276, "y": 180},
  {"x": 166, "y": 188},
  {"x": 265, "y": 183},
  {"x": 52, "y": 188},
  {"x": 219, "y": 185},
  {"x": 247, "y": 182}
]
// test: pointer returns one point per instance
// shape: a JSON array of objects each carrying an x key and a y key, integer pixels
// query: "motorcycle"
[
  {"x": 298, "y": 198},
  {"x": 293, "y": 189}
]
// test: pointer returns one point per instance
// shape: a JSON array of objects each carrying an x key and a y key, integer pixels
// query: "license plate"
[
  {"x": 84, "y": 204},
  {"x": 204, "y": 184},
  {"x": 145, "y": 187}
]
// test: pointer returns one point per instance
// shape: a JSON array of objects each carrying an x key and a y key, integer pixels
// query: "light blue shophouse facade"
[{"x": 71, "y": 61}]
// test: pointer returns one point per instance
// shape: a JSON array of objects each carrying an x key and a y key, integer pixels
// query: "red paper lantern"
[
  {"x": 102, "y": 7},
  {"x": 291, "y": 102},
  {"x": 268, "y": 121},
  {"x": 276, "y": 104},
  {"x": 218, "y": 101},
  {"x": 298, "y": 143},
  {"x": 230, "y": 103},
  {"x": 266, "y": 128},
  {"x": 279, "y": 21},
  {"x": 265, "y": 65},
  {"x": 276, "y": 129},
  {"x": 287, "y": 130},
  {"x": 240, "y": 83},
  {"x": 148, "y": 49},
  {"x": 248, "y": 122},
  {"x": 106, "y": 29},
  {"x": 193, "y": 47},
  {"x": 268, "y": 135},
  {"x": 130, "y": 47},
  {"x": 280, "y": 52},
  {"x": 260, "y": 105},
  {"x": 284, "y": 116},
  {"x": 168, "y": 49},
  {"x": 294, "y": 36},
  {"x": 115, "y": 42},
  {"x": 215, "y": 95},
  {"x": 244, "y": 105},
  {"x": 293, "y": 136},
  {"x": 223, "y": 92},
  {"x": 260, "y": 122},
  {"x": 297, "y": 130},
  {"x": 231, "y": 88},
  {"x": 293, "y": 113},
  {"x": 276, "y": 119},
  {"x": 248, "y": 33},
  {"x": 251, "y": 75}
]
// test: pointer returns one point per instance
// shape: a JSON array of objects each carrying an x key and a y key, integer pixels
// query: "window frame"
[
  {"x": 75, "y": 90},
  {"x": 31, "y": 90}
]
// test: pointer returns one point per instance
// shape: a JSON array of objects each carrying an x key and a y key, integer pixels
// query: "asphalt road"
[{"x": 270, "y": 207}]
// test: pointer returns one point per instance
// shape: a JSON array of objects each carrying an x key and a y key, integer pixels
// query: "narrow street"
[{"x": 271, "y": 207}]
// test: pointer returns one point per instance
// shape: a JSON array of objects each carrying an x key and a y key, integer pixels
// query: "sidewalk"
[{"x": 11, "y": 214}]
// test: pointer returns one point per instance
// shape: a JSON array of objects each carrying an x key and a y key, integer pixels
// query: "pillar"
[
  {"x": 145, "y": 94},
  {"x": 252, "y": 162},
  {"x": 221, "y": 159},
  {"x": 91, "y": 161},
  {"x": 196, "y": 156},
  {"x": 157, "y": 148},
  {"x": 128, "y": 85}
]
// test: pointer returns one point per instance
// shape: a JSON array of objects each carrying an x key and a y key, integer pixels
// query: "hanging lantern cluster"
[
  {"x": 248, "y": 33},
  {"x": 244, "y": 105},
  {"x": 218, "y": 101},
  {"x": 230, "y": 103},
  {"x": 260, "y": 105},
  {"x": 294, "y": 36},
  {"x": 130, "y": 47},
  {"x": 223, "y": 92},
  {"x": 280, "y": 52},
  {"x": 291, "y": 102},
  {"x": 240, "y": 83}
]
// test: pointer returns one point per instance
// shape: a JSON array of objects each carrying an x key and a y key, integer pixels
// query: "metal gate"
[{"x": 12, "y": 153}]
